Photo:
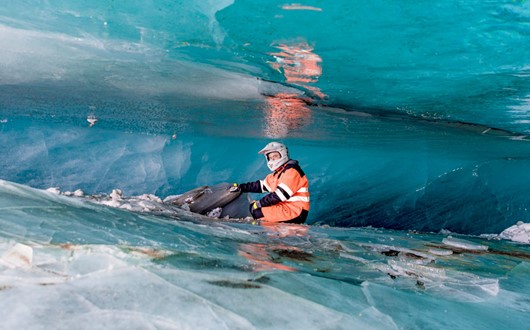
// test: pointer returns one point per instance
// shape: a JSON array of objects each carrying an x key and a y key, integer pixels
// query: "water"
[{"x": 407, "y": 117}]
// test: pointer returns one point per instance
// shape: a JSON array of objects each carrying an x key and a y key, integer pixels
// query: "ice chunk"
[
  {"x": 215, "y": 213},
  {"x": 116, "y": 194},
  {"x": 519, "y": 232},
  {"x": 463, "y": 244},
  {"x": 150, "y": 197},
  {"x": 111, "y": 203},
  {"x": 54, "y": 190},
  {"x": 451, "y": 284},
  {"x": 440, "y": 252},
  {"x": 19, "y": 255}
]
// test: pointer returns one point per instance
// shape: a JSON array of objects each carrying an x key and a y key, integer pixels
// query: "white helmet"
[{"x": 275, "y": 147}]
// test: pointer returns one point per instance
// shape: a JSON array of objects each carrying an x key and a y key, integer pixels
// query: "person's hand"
[
  {"x": 254, "y": 208},
  {"x": 234, "y": 188}
]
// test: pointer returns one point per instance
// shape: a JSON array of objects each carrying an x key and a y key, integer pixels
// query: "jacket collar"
[{"x": 290, "y": 163}]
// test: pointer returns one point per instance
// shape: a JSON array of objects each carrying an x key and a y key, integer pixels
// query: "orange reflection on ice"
[
  {"x": 284, "y": 113},
  {"x": 268, "y": 257},
  {"x": 260, "y": 258},
  {"x": 300, "y": 65},
  {"x": 286, "y": 229},
  {"x": 287, "y": 112}
]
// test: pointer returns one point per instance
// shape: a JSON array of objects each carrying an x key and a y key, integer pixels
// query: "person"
[{"x": 287, "y": 186}]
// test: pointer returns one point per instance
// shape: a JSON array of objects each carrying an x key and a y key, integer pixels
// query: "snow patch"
[{"x": 520, "y": 232}]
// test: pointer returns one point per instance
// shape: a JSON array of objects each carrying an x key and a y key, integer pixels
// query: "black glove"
[{"x": 255, "y": 209}]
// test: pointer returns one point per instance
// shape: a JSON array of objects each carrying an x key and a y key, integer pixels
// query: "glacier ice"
[
  {"x": 410, "y": 119},
  {"x": 137, "y": 269},
  {"x": 465, "y": 192},
  {"x": 520, "y": 232}
]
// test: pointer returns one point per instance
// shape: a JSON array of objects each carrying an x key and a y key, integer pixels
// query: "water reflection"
[
  {"x": 265, "y": 257},
  {"x": 287, "y": 112},
  {"x": 299, "y": 64}
]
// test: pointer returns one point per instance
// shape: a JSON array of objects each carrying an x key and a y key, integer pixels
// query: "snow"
[{"x": 519, "y": 232}]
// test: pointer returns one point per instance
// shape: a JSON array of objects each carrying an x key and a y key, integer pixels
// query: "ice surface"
[
  {"x": 19, "y": 255},
  {"x": 463, "y": 244},
  {"x": 406, "y": 116},
  {"x": 120, "y": 269}
]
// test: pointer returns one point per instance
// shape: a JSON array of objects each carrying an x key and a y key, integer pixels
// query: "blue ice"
[{"x": 411, "y": 121}]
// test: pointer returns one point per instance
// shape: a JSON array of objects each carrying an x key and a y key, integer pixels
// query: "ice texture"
[
  {"x": 410, "y": 120},
  {"x": 65, "y": 259},
  {"x": 519, "y": 232},
  {"x": 463, "y": 244},
  {"x": 426, "y": 196},
  {"x": 401, "y": 136}
]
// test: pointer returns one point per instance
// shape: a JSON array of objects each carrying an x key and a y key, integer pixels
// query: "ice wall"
[
  {"x": 403, "y": 115},
  {"x": 463, "y": 182}
]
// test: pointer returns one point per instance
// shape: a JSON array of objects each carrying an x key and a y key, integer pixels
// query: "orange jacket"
[{"x": 288, "y": 198}]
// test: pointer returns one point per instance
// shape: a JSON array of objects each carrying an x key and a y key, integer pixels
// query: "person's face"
[{"x": 274, "y": 156}]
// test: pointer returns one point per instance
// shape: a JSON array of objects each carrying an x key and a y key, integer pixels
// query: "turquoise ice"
[
  {"x": 71, "y": 263},
  {"x": 409, "y": 118}
]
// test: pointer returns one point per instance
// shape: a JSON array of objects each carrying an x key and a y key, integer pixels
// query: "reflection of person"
[
  {"x": 284, "y": 113},
  {"x": 287, "y": 186}
]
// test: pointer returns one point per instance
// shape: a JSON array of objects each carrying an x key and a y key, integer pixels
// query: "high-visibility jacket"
[{"x": 288, "y": 198}]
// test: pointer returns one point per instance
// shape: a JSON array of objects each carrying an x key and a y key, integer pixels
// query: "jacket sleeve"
[
  {"x": 253, "y": 187},
  {"x": 269, "y": 200},
  {"x": 288, "y": 183}
]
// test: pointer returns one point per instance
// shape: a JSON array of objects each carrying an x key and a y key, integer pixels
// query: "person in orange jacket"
[{"x": 287, "y": 186}]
